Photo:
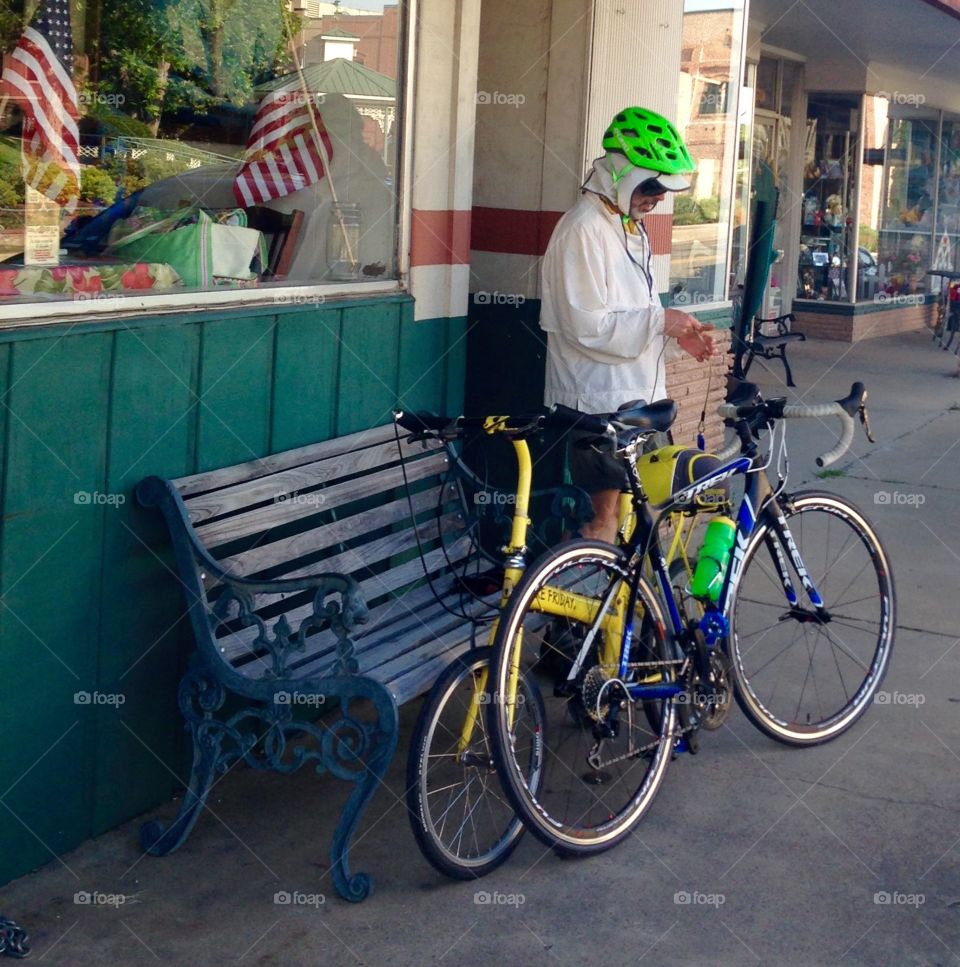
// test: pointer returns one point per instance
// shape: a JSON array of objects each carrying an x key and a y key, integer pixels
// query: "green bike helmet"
[{"x": 648, "y": 140}]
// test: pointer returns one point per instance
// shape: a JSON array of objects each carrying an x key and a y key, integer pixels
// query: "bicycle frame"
[{"x": 758, "y": 499}]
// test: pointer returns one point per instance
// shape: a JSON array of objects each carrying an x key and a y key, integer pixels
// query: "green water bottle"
[{"x": 713, "y": 558}]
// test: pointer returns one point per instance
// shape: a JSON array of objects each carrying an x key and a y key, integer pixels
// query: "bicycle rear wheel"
[
  {"x": 604, "y": 754},
  {"x": 800, "y": 676},
  {"x": 460, "y": 817}
]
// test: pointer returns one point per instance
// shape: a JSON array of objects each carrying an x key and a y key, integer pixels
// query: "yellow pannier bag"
[{"x": 669, "y": 469}]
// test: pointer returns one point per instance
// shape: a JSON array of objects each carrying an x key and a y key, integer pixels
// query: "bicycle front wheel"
[
  {"x": 460, "y": 817},
  {"x": 605, "y": 753},
  {"x": 802, "y": 674}
]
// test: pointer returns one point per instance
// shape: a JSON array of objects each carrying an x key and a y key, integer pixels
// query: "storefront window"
[
  {"x": 709, "y": 83},
  {"x": 947, "y": 235},
  {"x": 825, "y": 271},
  {"x": 196, "y": 144},
  {"x": 739, "y": 244},
  {"x": 905, "y": 244}
]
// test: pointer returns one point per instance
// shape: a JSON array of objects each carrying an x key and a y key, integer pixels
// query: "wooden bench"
[
  {"x": 771, "y": 345},
  {"x": 307, "y": 594}
]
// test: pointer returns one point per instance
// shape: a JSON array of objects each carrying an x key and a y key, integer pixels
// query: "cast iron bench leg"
[
  {"x": 208, "y": 733},
  {"x": 344, "y": 753},
  {"x": 786, "y": 365}
]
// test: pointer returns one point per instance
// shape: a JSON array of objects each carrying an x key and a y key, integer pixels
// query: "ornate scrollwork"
[{"x": 332, "y": 607}]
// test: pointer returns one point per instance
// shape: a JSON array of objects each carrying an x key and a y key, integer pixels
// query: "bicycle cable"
[{"x": 473, "y": 540}]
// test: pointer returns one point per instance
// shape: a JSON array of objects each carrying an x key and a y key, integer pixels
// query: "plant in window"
[{"x": 97, "y": 186}]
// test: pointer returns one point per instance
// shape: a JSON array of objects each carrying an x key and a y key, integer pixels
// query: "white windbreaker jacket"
[{"x": 601, "y": 312}]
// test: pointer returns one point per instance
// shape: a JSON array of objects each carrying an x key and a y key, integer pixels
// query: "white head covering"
[{"x": 615, "y": 177}]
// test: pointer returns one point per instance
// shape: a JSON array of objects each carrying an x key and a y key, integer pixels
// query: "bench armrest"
[
  {"x": 236, "y": 604},
  {"x": 782, "y": 323}
]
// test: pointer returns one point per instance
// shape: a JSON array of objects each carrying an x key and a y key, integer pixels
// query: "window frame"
[
  {"x": 113, "y": 306},
  {"x": 735, "y": 107}
]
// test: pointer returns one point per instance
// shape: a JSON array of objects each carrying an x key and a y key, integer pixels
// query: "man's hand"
[{"x": 695, "y": 338}]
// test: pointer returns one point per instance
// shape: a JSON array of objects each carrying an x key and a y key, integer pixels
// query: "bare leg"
[{"x": 603, "y": 527}]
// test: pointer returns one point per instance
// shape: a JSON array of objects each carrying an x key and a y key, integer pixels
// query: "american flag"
[
  {"x": 38, "y": 78},
  {"x": 283, "y": 154}
]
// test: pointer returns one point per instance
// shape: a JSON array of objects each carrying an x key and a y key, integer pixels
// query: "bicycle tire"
[
  {"x": 581, "y": 813},
  {"x": 495, "y": 833},
  {"x": 822, "y": 710}
]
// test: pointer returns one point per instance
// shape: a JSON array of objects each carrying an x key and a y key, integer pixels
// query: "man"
[{"x": 607, "y": 332}]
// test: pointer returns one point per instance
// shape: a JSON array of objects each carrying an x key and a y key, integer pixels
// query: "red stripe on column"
[
  {"x": 513, "y": 231},
  {"x": 439, "y": 237},
  {"x": 660, "y": 229}
]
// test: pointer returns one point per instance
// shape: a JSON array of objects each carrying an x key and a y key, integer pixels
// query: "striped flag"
[
  {"x": 283, "y": 154},
  {"x": 38, "y": 78}
]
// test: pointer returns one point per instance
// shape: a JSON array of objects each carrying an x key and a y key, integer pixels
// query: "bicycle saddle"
[{"x": 658, "y": 416}]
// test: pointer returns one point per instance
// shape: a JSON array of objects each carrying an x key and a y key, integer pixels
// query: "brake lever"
[{"x": 865, "y": 420}]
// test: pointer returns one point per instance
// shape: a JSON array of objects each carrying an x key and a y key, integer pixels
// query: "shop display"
[
  {"x": 827, "y": 230},
  {"x": 905, "y": 240}
]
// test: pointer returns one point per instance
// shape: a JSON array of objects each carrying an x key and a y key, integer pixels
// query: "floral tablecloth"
[{"x": 88, "y": 280}]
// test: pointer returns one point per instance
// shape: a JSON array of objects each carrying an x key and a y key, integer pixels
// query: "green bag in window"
[{"x": 202, "y": 252}]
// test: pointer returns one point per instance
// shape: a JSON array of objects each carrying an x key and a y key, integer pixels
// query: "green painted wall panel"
[
  {"x": 93, "y": 408},
  {"x": 423, "y": 363},
  {"x": 304, "y": 390},
  {"x": 236, "y": 373},
  {"x": 456, "y": 364},
  {"x": 153, "y": 401},
  {"x": 369, "y": 366},
  {"x": 51, "y": 565}
]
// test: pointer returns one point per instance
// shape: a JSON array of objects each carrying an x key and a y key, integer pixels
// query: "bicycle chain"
[
  {"x": 592, "y": 756},
  {"x": 14, "y": 941}
]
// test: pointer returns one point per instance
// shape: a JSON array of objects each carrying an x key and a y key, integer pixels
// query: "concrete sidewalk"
[{"x": 753, "y": 852}]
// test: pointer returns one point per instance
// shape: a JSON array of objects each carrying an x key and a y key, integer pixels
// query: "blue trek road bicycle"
[{"x": 629, "y": 668}]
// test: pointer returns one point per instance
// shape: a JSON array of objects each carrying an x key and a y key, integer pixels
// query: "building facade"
[{"x": 404, "y": 272}]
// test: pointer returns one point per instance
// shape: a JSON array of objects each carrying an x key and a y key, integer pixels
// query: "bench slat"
[
  {"x": 213, "y": 479},
  {"x": 265, "y": 518},
  {"x": 356, "y": 561},
  {"x": 270, "y": 487},
  {"x": 265, "y": 556},
  {"x": 420, "y": 679},
  {"x": 235, "y": 646},
  {"x": 396, "y": 633}
]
